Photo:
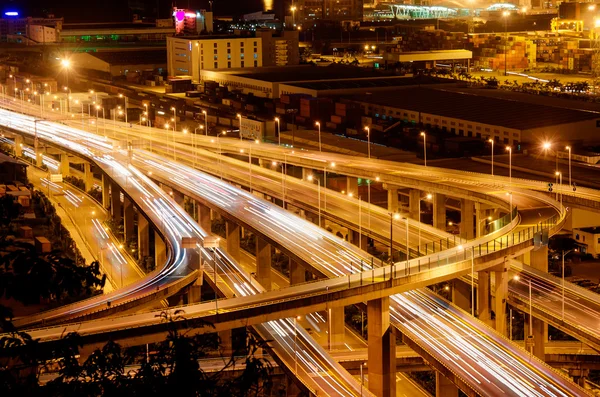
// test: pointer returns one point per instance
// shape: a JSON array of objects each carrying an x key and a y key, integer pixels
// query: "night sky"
[{"x": 123, "y": 10}]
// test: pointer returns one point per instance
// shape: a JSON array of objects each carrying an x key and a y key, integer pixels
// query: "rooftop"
[
  {"x": 7, "y": 159},
  {"x": 477, "y": 108},
  {"x": 367, "y": 83},
  {"x": 146, "y": 57},
  {"x": 109, "y": 25},
  {"x": 308, "y": 73}
]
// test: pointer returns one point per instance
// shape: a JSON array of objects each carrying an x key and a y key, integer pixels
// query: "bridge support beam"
[
  {"x": 115, "y": 202},
  {"x": 579, "y": 375},
  {"x": 160, "y": 250},
  {"x": 467, "y": 214},
  {"x": 481, "y": 221},
  {"x": 297, "y": 273},
  {"x": 127, "y": 220},
  {"x": 414, "y": 202},
  {"x": 18, "y": 145},
  {"x": 439, "y": 211},
  {"x": 204, "y": 218},
  {"x": 352, "y": 185},
  {"x": 444, "y": 387},
  {"x": 64, "y": 164},
  {"x": 143, "y": 236},
  {"x": 232, "y": 231},
  {"x": 226, "y": 342},
  {"x": 337, "y": 327},
  {"x": 105, "y": 191},
  {"x": 263, "y": 263},
  {"x": 501, "y": 297},
  {"x": 461, "y": 295},
  {"x": 392, "y": 199},
  {"x": 88, "y": 176},
  {"x": 306, "y": 172},
  {"x": 382, "y": 349},
  {"x": 483, "y": 297}
]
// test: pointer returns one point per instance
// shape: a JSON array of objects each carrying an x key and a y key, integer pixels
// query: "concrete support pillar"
[
  {"x": 204, "y": 217},
  {"x": 414, "y": 202},
  {"x": 579, "y": 375},
  {"x": 105, "y": 191},
  {"x": 352, "y": 185},
  {"x": 18, "y": 145},
  {"x": 143, "y": 236},
  {"x": 297, "y": 273},
  {"x": 232, "y": 231},
  {"x": 160, "y": 250},
  {"x": 443, "y": 386},
  {"x": 483, "y": 297},
  {"x": 540, "y": 336},
  {"x": 226, "y": 342},
  {"x": 263, "y": 263},
  {"x": 501, "y": 296},
  {"x": 65, "y": 168},
  {"x": 194, "y": 291},
  {"x": 467, "y": 226},
  {"x": 461, "y": 295},
  {"x": 178, "y": 197},
  {"x": 127, "y": 219},
  {"x": 439, "y": 211},
  {"x": 360, "y": 240},
  {"x": 539, "y": 260},
  {"x": 115, "y": 202},
  {"x": 337, "y": 327},
  {"x": 480, "y": 219},
  {"x": 392, "y": 199},
  {"x": 88, "y": 176},
  {"x": 382, "y": 349},
  {"x": 306, "y": 172}
]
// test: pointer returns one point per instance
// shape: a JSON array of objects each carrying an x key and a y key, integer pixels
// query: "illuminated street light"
[{"x": 319, "y": 126}]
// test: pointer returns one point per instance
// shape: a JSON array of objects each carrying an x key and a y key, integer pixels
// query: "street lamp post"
[
  {"x": 505, "y": 14},
  {"x": 424, "y": 135},
  {"x": 429, "y": 196},
  {"x": 174, "y": 118},
  {"x": 278, "y": 129},
  {"x": 310, "y": 179},
  {"x": 368, "y": 129},
  {"x": 205, "y": 121},
  {"x": 509, "y": 149},
  {"x": 530, "y": 337},
  {"x": 392, "y": 217},
  {"x": 569, "y": 149},
  {"x": 319, "y": 127},
  {"x": 560, "y": 183},
  {"x": 492, "y": 142},
  {"x": 293, "y": 16},
  {"x": 239, "y": 116}
]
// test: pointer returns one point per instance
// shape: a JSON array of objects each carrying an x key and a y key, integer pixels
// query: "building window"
[
  {"x": 577, "y": 236},
  {"x": 242, "y": 64},
  {"x": 216, "y": 65},
  {"x": 228, "y": 45},
  {"x": 255, "y": 63},
  {"x": 215, "y": 52},
  {"x": 228, "y": 56},
  {"x": 255, "y": 56},
  {"x": 242, "y": 56},
  {"x": 229, "y": 65},
  {"x": 255, "y": 49},
  {"x": 201, "y": 52},
  {"x": 241, "y": 43},
  {"x": 215, "y": 57},
  {"x": 241, "y": 50},
  {"x": 229, "y": 50},
  {"x": 255, "y": 44},
  {"x": 202, "y": 65},
  {"x": 215, "y": 45}
]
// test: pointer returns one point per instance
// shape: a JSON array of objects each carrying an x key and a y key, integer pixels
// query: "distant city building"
[
  {"x": 115, "y": 32},
  {"x": 135, "y": 65},
  {"x": 11, "y": 28},
  {"x": 191, "y": 23},
  {"x": 187, "y": 56},
  {"x": 334, "y": 10}
]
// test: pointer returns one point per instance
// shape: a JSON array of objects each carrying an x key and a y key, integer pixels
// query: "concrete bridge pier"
[
  {"x": 297, "y": 273},
  {"x": 18, "y": 145},
  {"x": 352, "y": 185},
  {"x": 232, "y": 231},
  {"x": 115, "y": 202},
  {"x": 467, "y": 220},
  {"x": 337, "y": 327},
  {"x": 444, "y": 387},
  {"x": 501, "y": 296},
  {"x": 579, "y": 375},
  {"x": 204, "y": 217},
  {"x": 143, "y": 236},
  {"x": 105, "y": 191},
  {"x": 64, "y": 164},
  {"x": 382, "y": 349},
  {"x": 128, "y": 218},
  {"x": 360, "y": 240},
  {"x": 263, "y": 263},
  {"x": 178, "y": 197},
  {"x": 461, "y": 295},
  {"x": 392, "y": 198},
  {"x": 538, "y": 259},
  {"x": 414, "y": 202},
  {"x": 160, "y": 250},
  {"x": 439, "y": 211},
  {"x": 483, "y": 297},
  {"x": 194, "y": 291},
  {"x": 88, "y": 176}
]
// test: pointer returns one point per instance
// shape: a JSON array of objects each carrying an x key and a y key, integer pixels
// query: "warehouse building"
[{"x": 508, "y": 122}]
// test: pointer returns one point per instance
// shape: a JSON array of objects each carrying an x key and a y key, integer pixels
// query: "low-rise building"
[{"x": 188, "y": 56}]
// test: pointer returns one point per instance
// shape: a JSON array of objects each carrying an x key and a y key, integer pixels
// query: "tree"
[{"x": 9, "y": 210}]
